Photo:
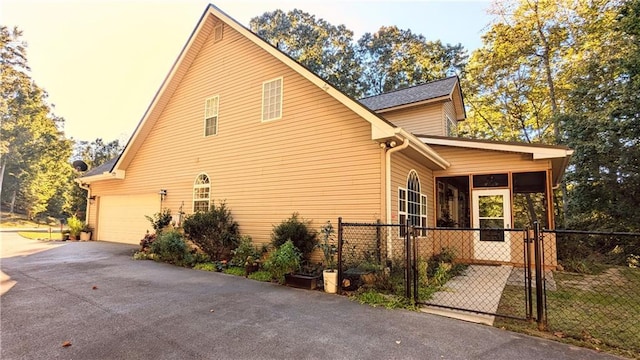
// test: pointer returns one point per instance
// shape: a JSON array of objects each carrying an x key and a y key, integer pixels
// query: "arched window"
[
  {"x": 201, "y": 193},
  {"x": 412, "y": 204}
]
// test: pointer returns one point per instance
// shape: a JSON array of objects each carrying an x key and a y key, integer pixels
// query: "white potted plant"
[{"x": 330, "y": 274}]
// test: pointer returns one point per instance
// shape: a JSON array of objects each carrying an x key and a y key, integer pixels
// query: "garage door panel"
[{"x": 121, "y": 218}]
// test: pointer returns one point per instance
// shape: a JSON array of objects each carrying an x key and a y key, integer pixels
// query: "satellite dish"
[{"x": 80, "y": 165}]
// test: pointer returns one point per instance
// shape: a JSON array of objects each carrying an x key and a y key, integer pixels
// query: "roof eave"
[{"x": 112, "y": 175}]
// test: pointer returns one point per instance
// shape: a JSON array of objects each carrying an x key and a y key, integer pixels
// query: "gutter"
[
  {"x": 387, "y": 174},
  {"x": 88, "y": 188}
]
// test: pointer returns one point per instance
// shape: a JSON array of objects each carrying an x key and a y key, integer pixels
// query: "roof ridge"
[{"x": 410, "y": 87}]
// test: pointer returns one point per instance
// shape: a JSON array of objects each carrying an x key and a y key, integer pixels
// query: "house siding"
[
  {"x": 425, "y": 119},
  {"x": 466, "y": 161},
  {"x": 400, "y": 167},
  {"x": 318, "y": 160}
]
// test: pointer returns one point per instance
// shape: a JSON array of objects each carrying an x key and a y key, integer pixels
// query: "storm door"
[{"x": 491, "y": 215}]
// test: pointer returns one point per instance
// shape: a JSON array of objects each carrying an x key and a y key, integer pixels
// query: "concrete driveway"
[{"x": 149, "y": 310}]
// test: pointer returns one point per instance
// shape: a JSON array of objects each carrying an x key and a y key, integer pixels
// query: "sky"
[{"x": 102, "y": 61}]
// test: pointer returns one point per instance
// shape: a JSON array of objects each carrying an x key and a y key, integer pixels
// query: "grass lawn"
[
  {"x": 39, "y": 235},
  {"x": 597, "y": 311},
  {"x": 14, "y": 220}
]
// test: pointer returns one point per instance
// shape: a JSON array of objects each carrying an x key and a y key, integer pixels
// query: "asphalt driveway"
[{"x": 108, "y": 306}]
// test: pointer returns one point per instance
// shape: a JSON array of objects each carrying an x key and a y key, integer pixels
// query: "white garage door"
[{"x": 121, "y": 218}]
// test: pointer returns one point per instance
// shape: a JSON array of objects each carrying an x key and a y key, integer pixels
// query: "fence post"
[
  {"x": 539, "y": 276},
  {"x": 527, "y": 274},
  {"x": 340, "y": 255},
  {"x": 407, "y": 262},
  {"x": 414, "y": 267},
  {"x": 378, "y": 242}
]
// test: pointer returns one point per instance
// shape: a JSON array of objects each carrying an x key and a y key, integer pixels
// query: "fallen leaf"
[
  {"x": 66, "y": 344},
  {"x": 94, "y": 287},
  {"x": 559, "y": 334},
  {"x": 398, "y": 342}
]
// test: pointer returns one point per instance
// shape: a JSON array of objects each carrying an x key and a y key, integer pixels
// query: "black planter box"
[{"x": 302, "y": 281}]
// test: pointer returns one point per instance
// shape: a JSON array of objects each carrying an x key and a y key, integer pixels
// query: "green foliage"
[
  {"x": 374, "y": 298},
  {"x": 75, "y": 226},
  {"x": 329, "y": 250},
  {"x": 297, "y": 231},
  {"x": 170, "y": 247},
  {"x": 35, "y": 175},
  {"x": 284, "y": 260},
  {"x": 234, "y": 270},
  {"x": 394, "y": 58},
  {"x": 387, "y": 60},
  {"x": 160, "y": 220},
  {"x": 245, "y": 252},
  {"x": 261, "y": 275},
  {"x": 214, "y": 231}
]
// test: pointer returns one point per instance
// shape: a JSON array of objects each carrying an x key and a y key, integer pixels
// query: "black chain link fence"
[
  {"x": 373, "y": 256},
  {"x": 470, "y": 269},
  {"x": 595, "y": 295},
  {"x": 588, "y": 286}
]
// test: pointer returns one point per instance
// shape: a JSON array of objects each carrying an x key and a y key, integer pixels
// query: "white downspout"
[
  {"x": 88, "y": 188},
  {"x": 387, "y": 180}
]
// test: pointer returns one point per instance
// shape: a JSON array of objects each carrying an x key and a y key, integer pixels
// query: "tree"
[
  {"x": 393, "y": 58},
  {"x": 390, "y": 59},
  {"x": 33, "y": 150},
  {"x": 603, "y": 126},
  {"x": 94, "y": 154},
  {"x": 323, "y": 48}
]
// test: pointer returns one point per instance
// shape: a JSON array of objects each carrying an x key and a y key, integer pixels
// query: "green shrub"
[
  {"x": 284, "y": 260},
  {"x": 208, "y": 266},
  {"x": 261, "y": 275},
  {"x": 234, "y": 270},
  {"x": 214, "y": 231},
  {"x": 75, "y": 226},
  {"x": 170, "y": 247},
  {"x": 244, "y": 252},
  {"x": 299, "y": 231},
  {"x": 160, "y": 220}
]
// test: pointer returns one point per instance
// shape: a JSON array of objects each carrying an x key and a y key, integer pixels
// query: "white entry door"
[{"x": 492, "y": 211}]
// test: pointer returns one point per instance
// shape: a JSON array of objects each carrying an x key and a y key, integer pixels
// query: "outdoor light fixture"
[
  {"x": 162, "y": 193},
  {"x": 92, "y": 199}
]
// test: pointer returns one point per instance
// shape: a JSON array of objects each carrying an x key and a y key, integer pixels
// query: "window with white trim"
[
  {"x": 211, "y": 106},
  {"x": 451, "y": 129},
  {"x": 272, "y": 99},
  {"x": 402, "y": 209},
  {"x": 201, "y": 193},
  {"x": 412, "y": 204}
]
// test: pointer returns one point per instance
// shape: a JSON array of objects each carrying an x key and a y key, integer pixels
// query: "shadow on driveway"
[{"x": 109, "y": 306}]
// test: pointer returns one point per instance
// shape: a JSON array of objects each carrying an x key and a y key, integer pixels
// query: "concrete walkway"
[
  {"x": 479, "y": 288},
  {"x": 108, "y": 306}
]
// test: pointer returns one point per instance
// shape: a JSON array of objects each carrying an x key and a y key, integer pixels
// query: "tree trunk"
[
  {"x": 4, "y": 166},
  {"x": 13, "y": 201}
]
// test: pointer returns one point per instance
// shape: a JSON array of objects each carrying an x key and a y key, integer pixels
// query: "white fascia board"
[
  {"x": 117, "y": 174},
  {"x": 538, "y": 153},
  {"x": 424, "y": 149}
]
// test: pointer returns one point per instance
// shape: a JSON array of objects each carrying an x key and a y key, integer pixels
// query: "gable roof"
[
  {"x": 431, "y": 90},
  {"x": 381, "y": 129}
]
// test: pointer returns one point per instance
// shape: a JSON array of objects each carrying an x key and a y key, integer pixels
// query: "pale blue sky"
[{"x": 103, "y": 61}]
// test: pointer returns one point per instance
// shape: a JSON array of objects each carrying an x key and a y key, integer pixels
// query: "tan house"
[{"x": 238, "y": 120}]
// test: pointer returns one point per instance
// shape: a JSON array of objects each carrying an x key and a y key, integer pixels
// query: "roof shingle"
[{"x": 431, "y": 90}]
